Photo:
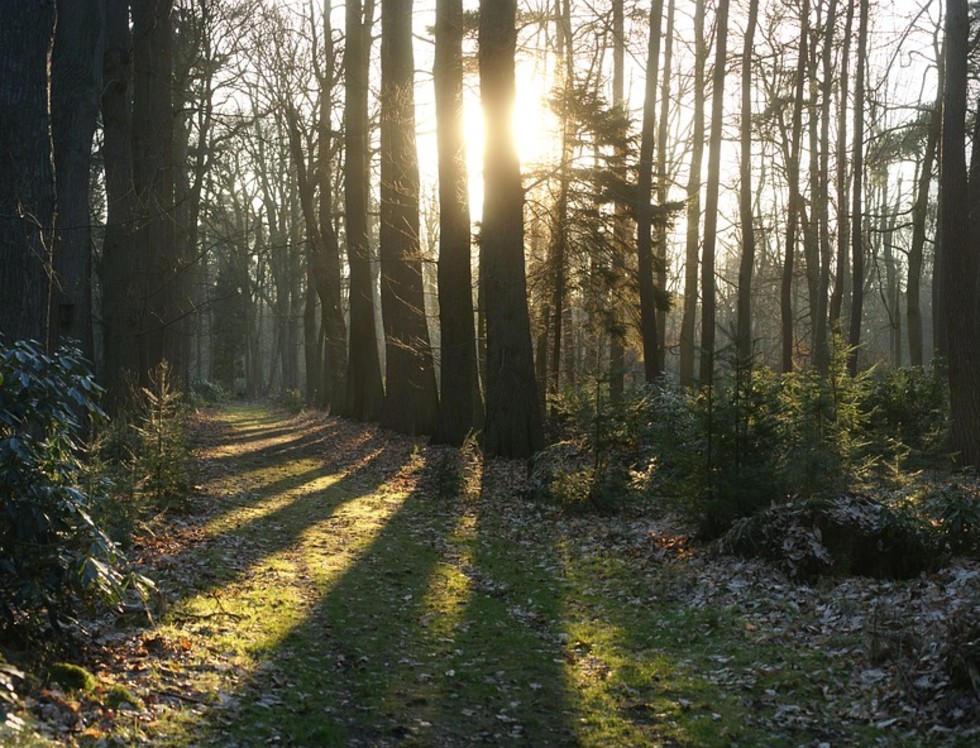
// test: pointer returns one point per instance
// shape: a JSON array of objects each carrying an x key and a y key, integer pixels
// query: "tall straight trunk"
[
  {"x": 27, "y": 179},
  {"x": 961, "y": 262},
  {"x": 743, "y": 333},
  {"x": 558, "y": 246},
  {"x": 689, "y": 319},
  {"x": 365, "y": 393},
  {"x": 76, "y": 83},
  {"x": 326, "y": 254},
  {"x": 660, "y": 245},
  {"x": 857, "y": 159},
  {"x": 513, "y": 420},
  {"x": 411, "y": 405},
  {"x": 711, "y": 200},
  {"x": 461, "y": 404},
  {"x": 794, "y": 207},
  {"x": 644, "y": 206},
  {"x": 821, "y": 214},
  {"x": 842, "y": 276},
  {"x": 811, "y": 228},
  {"x": 621, "y": 231},
  {"x": 155, "y": 237},
  {"x": 311, "y": 341},
  {"x": 118, "y": 272},
  {"x": 920, "y": 210}
]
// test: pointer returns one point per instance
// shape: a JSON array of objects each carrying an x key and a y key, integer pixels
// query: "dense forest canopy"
[{"x": 273, "y": 196}]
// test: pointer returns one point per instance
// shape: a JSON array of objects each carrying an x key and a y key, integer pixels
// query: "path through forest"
[{"x": 339, "y": 585}]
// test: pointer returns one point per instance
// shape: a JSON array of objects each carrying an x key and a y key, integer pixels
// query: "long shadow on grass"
[
  {"x": 295, "y": 504},
  {"x": 439, "y": 633}
]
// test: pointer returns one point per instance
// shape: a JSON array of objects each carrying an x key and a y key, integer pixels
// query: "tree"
[
  {"x": 959, "y": 230},
  {"x": 513, "y": 425},
  {"x": 325, "y": 255},
  {"x": 644, "y": 206},
  {"x": 461, "y": 404},
  {"x": 27, "y": 181},
  {"x": 365, "y": 393},
  {"x": 711, "y": 199},
  {"x": 154, "y": 237},
  {"x": 691, "y": 258},
  {"x": 920, "y": 210},
  {"x": 118, "y": 271},
  {"x": 857, "y": 158},
  {"x": 411, "y": 405},
  {"x": 743, "y": 335},
  {"x": 794, "y": 205},
  {"x": 76, "y": 83}
]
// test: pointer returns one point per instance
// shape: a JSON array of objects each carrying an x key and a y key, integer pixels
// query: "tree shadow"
[{"x": 438, "y": 632}]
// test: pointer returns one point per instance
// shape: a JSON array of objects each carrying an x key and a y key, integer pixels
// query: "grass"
[{"x": 359, "y": 589}]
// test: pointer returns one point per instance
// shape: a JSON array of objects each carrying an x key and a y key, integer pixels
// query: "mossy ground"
[{"x": 335, "y": 590}]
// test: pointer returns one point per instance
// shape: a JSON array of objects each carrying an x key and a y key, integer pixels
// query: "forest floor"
[{"x": 333, "y": 584}]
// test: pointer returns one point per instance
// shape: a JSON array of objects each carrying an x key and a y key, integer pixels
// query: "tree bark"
[
  {"x": 76, "y": 83},
  {"x": 857, "y": 227},
  {"x": 411, "y": 405},
  {"x": 920, "y": 209},
  {"x": 118, "y": 272},
  {"x": 961, "y": 267},
  {"x": 644, "y": 206},
  {"x": 821, "y": 213},
  {"x": 365, "y": 393},
  {"x": 689, "y": 319},
  {"x": 743, "y": 333},
  {"x": 513, "y": 420},
  {"x": 154, "y": 237},
  {"x": 461, "y": 404},
  {"x": 842, "y": 187},
  {"x": 27, "y": 180},
  {"x": 794, "y": 206},
  {"x": 711, "y": 200}
]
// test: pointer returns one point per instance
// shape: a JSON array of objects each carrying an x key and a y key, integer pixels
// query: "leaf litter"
[{"x": 843, "y": 661}]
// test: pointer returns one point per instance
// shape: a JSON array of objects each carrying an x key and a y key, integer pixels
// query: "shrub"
[
  {"x": 909, "y": 407},
  {"x": 292, "y": 400},
  {"x": 53, "y": 554},
  {"x": 160, "y": 462},
  {"x": 953, "y": 512},
  {"x": 207, "y": 392}
]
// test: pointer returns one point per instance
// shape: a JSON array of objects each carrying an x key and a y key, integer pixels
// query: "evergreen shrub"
[{"x": 54, "y": 555}]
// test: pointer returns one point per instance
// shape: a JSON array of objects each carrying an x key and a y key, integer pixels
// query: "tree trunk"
[
  {"x": 644, "y": 206},
  {"x": 326, "y": 254},
  {"x": 794, "y": 206},
  {"x": 411, "y": 405},
  {"x": 119, "y": 274},
  {"x": 27, "y": 180},
  {"x": 857, "y": 230},
  {"x": 842, "y": 276},
  {"x": 461, "y": 405},
  {"x": 919, "y": 215},
  {"x": 688, "y": 322},
  {"x": 365, "y": 393},
  {"x": 660, "y": 245},
  {"x": 711, "y": 200},
  {"x": 743, "y": 334},
  {"x": 76, "y": 83},
  {"x": 821, "y": 213},
  {"x": 621, "y": 230},
  {"x": 513, "y": 420},
  {"x": 154, "y": 237},
  {"x": 961, "y": 266}
]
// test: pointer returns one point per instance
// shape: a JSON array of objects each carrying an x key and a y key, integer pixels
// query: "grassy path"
[{"x": 341, "y": 586}]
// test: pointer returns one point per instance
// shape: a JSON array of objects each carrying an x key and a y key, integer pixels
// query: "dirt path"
[{"x": 338, "y": 585}]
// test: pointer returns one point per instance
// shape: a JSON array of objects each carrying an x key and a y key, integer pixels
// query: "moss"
[
  {"x": 72, "y": 677},
  {"x": 118, "y": 695}
]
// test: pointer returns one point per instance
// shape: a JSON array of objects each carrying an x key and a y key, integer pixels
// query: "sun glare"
[{"x": 533, "y": 125}]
